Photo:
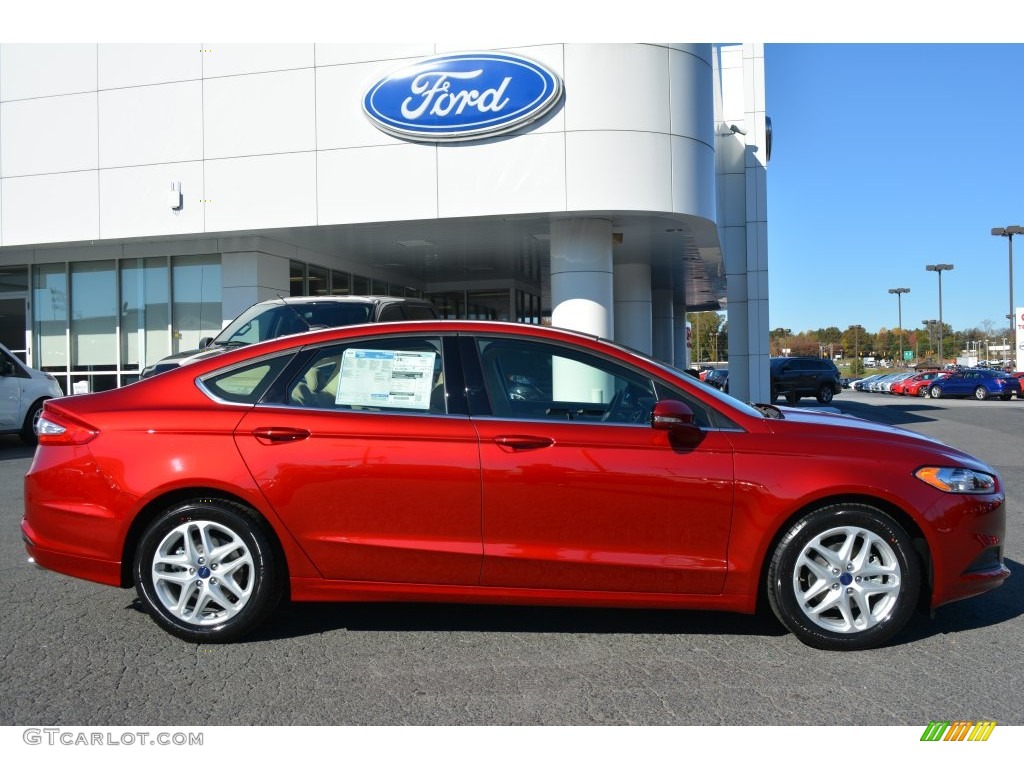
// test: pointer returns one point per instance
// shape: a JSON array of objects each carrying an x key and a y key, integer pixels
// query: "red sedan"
[
  {"x": 919, "y": 385},
  {"x": 498, "y": 463}
]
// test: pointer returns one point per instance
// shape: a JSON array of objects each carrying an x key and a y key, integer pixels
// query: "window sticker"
[{"x": 386, "y": 378}]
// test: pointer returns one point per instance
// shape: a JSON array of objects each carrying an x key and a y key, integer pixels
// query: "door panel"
[
  {"x": 596, "y": 507},
  {"x": 580, "y": 492},
  {"x": 379, "y": 497}
]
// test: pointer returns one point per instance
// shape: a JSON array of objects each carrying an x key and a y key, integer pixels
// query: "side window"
[
  {"x": 537, "y": 380},
  {"x": 404, "y": 375},
  {"x": 391, "y": 313},
  {"x": 246, "y": 384}
]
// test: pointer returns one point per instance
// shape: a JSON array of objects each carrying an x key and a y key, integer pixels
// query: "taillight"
[{"x": 61, "y": 429}]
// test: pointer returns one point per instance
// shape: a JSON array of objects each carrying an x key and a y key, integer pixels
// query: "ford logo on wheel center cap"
[{"x": 462, "y": 96}]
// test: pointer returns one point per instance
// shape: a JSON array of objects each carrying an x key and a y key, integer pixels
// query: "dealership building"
[{"x": 150, "y": 193}]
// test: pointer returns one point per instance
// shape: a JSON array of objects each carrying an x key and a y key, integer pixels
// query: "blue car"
[{"x": 979, "y": 383}]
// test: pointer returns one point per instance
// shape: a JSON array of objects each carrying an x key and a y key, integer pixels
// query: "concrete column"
[
  {"x": 581, "y": 300},
  {"x": 680, "y": 338},
  {"x": 662, "y": 324},
  {"x": 581, "y": 276},
  {"x": 633, "y": 305}
]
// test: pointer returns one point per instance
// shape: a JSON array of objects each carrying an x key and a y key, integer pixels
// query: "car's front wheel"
[
  {"x": 936, "y": 392},
  {"x": 825, "y": 394},
  {"x": 980, "y": 393},
  {"x": 206, "y": 570},
  {"x": 845, "y": 577}
]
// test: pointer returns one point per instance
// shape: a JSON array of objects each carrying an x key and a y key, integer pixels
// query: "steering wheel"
[{"x": 615, "y": 406}]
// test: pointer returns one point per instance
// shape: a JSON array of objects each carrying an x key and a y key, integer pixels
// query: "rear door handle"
[
  {"x": 270, "y": 435},
  {"x": 523, "y": 442}
]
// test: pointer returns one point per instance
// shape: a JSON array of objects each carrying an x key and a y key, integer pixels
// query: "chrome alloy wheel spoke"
[
  {"x": 847, "y": 579},
  {"x": 203, "y": 573}
]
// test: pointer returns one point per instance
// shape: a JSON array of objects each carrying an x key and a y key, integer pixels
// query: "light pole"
[
  {"x": 1008, "y": 233},
  {"x": 899, "y": 309},
  {"x": 940, "y": 268}
]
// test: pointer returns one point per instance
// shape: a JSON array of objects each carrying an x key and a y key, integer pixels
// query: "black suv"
[
  {"x": 282, "y": 317},
  {"x": 796, "y": 377}
]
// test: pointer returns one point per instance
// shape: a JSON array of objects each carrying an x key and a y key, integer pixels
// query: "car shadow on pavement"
[
  {"x": 304, "y": 619},
  {"x": 990, "y": 609},
  {"x": 300, "y": 619}
]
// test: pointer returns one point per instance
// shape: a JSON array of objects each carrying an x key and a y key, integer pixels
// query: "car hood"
[{"x": 835, "y": 426}]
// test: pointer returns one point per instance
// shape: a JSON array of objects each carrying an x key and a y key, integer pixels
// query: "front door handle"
[
  {"x": 523, "y": 442},
  {"x": 269, "y": 435}
]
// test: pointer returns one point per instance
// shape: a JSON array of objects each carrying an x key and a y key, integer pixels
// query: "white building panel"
[
  {"x": 524, "y": 175},
  {"x": 126, "y": 64},
  {"x": 618, "y": 170},
  {"x": 136, "y": 202},
  {"x": 693, "y": 178},
  {"x": 692, "y": 96},
  {"x": 617, "y": 88},
  {"x": 346, "y": 53},
  {"x": 260, "y": 114},
  {"x": 50, "y": 209},
  {"x": 261, "y": 192},
  {"x": 340, "y": 120},
  {"x": 151, "y": 124},
  {"x": 31, "y": 70},
  {"x": 377, "y": 184},
  {"x": 51, "y": 135},
  {"x": 223, "y": 59}
]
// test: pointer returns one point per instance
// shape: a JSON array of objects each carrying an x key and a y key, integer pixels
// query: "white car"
[{"x": 23, "y": 391}]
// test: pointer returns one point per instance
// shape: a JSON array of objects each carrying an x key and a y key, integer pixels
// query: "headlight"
[{"x": 957, "y": 479}]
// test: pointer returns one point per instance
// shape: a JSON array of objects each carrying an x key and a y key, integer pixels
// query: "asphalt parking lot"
[{"x": 75, "y": 653}]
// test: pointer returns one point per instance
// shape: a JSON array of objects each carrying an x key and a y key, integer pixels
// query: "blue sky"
[{"x": 888, "y": 157}]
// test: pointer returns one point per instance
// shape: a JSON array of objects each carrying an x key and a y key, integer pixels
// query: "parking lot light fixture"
[
  {"x": 899, "y": 309},
  {"x": 1008, "y": 233},
  {"x": 940, "y": 268}
]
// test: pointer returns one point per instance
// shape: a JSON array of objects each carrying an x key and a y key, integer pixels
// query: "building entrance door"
[{"x": 13, "y": 325}]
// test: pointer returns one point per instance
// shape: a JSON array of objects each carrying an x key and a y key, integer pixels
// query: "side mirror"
[
  {"x": 6, "y": 368},
  {"x": 672, "y": 415},
  {"x": 205, "y": 342}
]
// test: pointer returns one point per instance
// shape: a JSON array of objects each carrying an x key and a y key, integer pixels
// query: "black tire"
[
  {"x": 873, "y": 594},
  {"x": 226, "y": 597},
  {"x": 792, "y": 397},
  {"x": 28, "y": 429},
  {"x": 936, "y": 393},
  {"x": 980, "y": 393},
  {"x": 774, "y": 394},
  {"x": 825, "y": 394},
  {"x": 1005, "y": 398}
]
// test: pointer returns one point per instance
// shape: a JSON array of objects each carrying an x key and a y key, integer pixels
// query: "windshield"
[{"x": 268, "y": 321}]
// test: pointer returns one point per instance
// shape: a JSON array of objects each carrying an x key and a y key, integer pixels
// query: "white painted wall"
[{"x": 92, "y": 137}]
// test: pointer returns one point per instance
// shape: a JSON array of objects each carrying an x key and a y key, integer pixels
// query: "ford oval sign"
[{"x": 462, "y": 96}]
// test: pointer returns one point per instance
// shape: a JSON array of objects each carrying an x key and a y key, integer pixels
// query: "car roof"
[{"x": 344, "y": 299}]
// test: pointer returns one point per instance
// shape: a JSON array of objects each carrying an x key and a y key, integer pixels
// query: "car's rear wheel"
[
  {"x": 825, "y": 394},
  {"x": 980, "y": 393},
  {"x": 936, "y": 392},
  {"x": 28, "y": 428},
  {"x": 206, "y": 570},
  {"x": 845, "y": 577}
]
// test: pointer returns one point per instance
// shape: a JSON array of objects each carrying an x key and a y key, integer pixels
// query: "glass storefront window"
[
  {"x": 360, "y": 285},
  {"x": 93, "y": 314},
  {"x": 196, "y": 311},
  {"x": 297, "y": 278},
  {"x": 50, "y": 316},
  {"x": 341, "y": 283},
  {"x": 317, "y": 277},
  {"x": 145, "y": 311}
]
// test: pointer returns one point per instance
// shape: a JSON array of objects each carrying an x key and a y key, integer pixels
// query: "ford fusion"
[{"x": 498, "y": 463}]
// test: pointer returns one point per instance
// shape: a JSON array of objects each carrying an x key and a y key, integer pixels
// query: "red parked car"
[
  {"x": 919, "y": 385},
  {"x": 498, "y": 463}
]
